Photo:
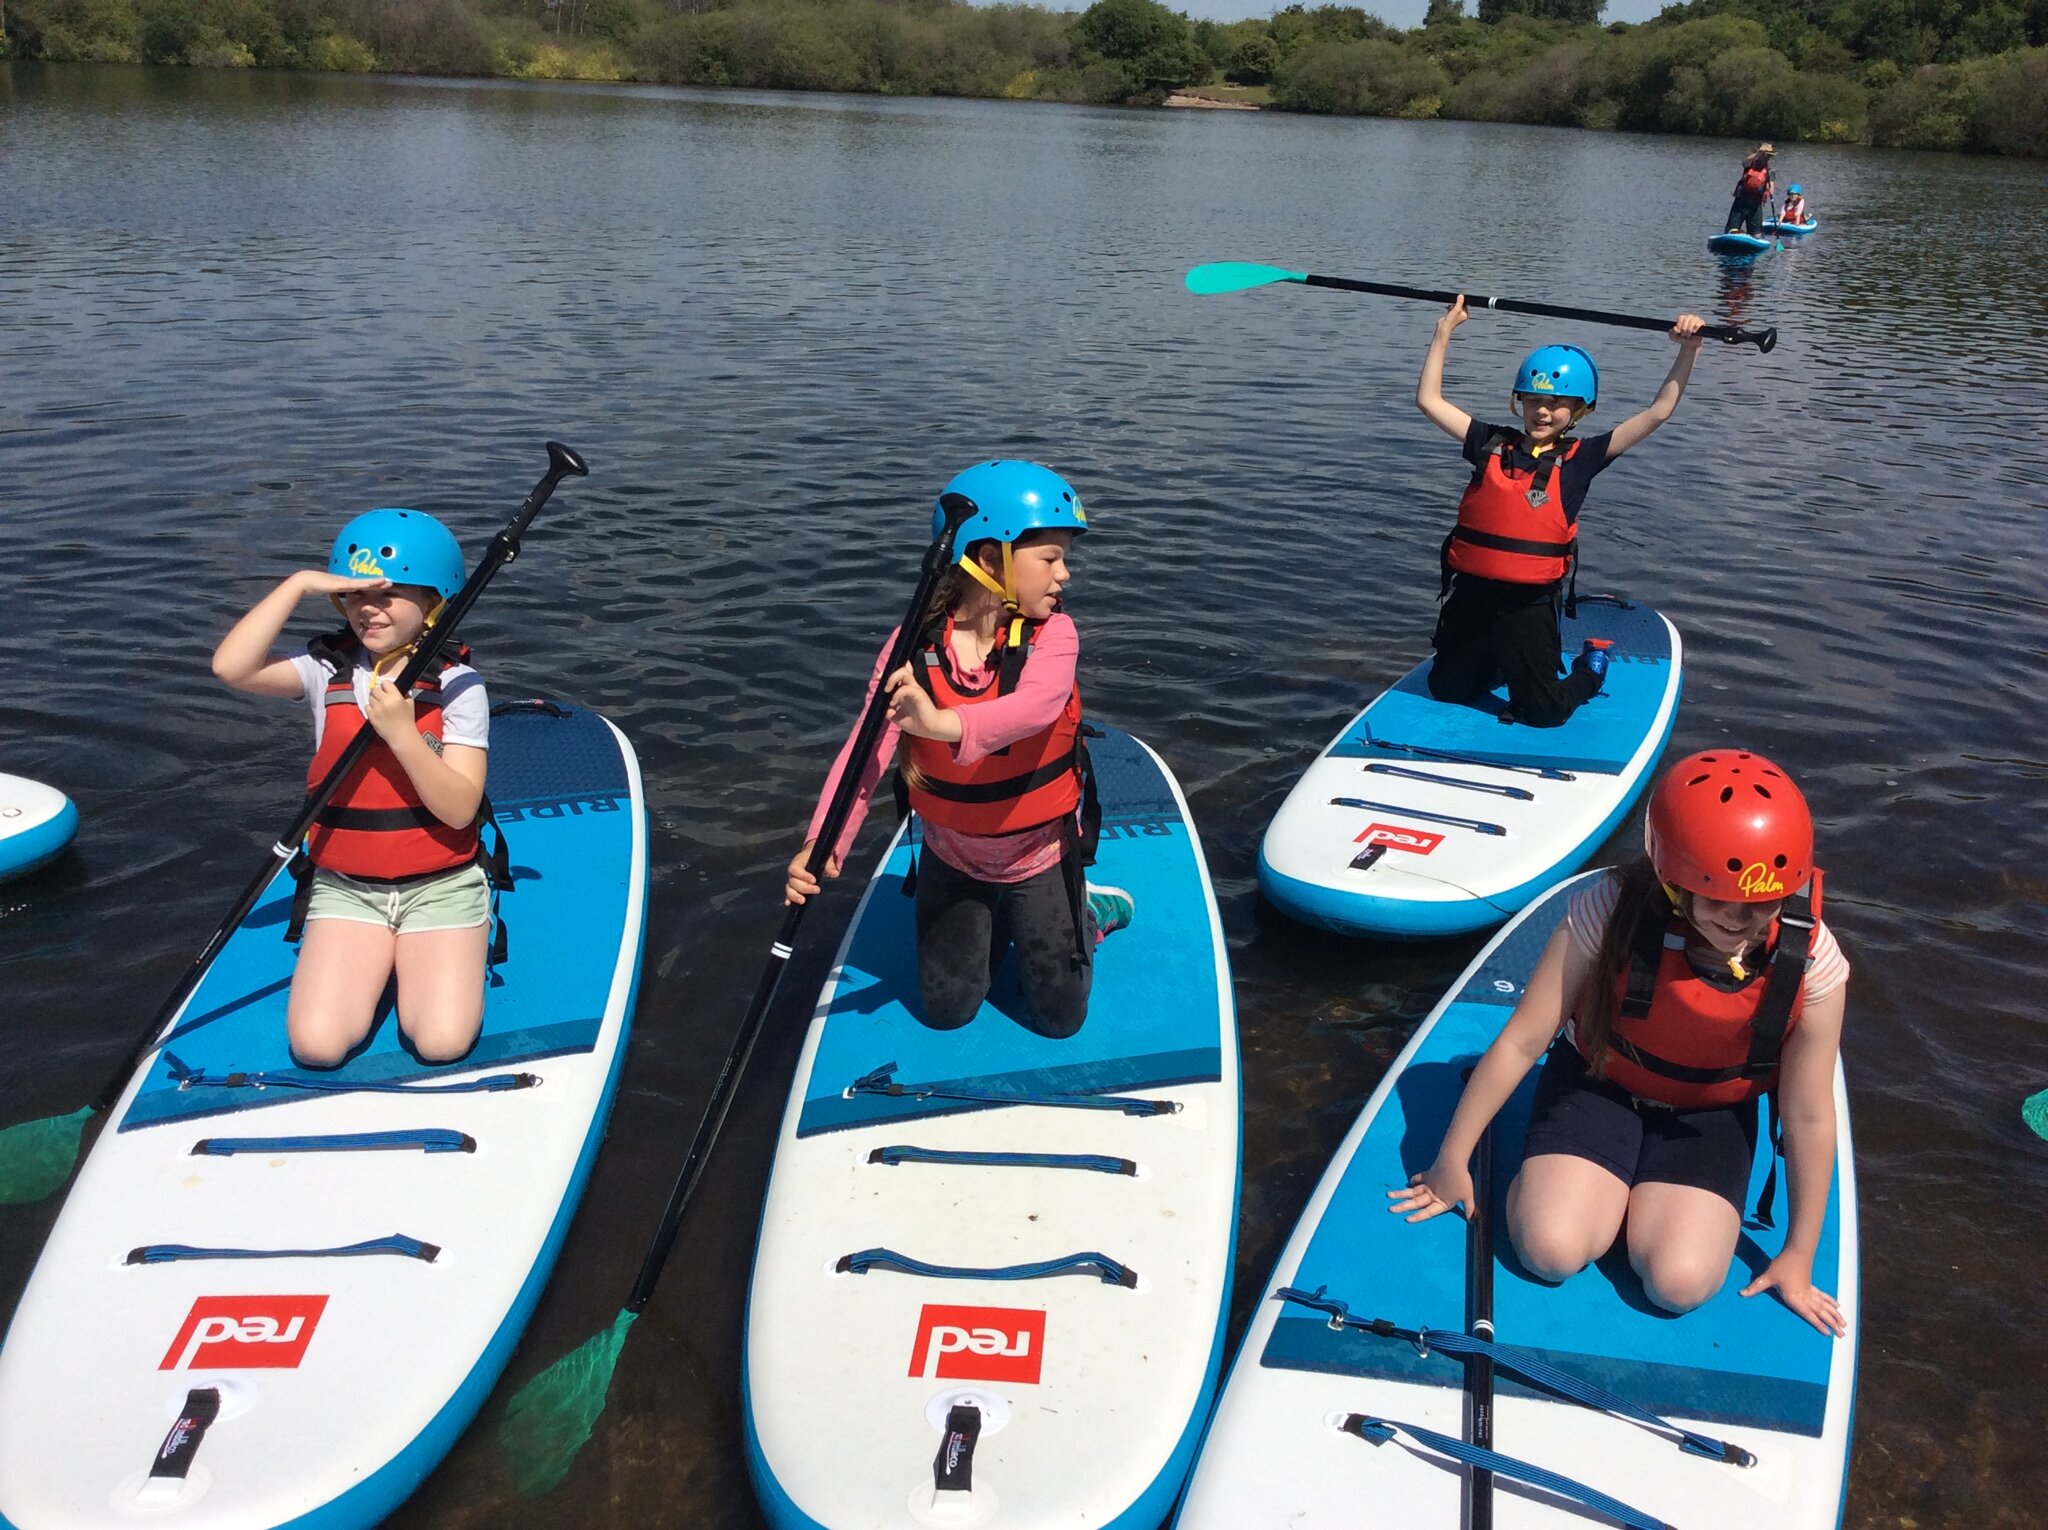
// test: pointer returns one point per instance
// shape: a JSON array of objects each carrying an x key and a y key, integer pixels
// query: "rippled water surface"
[{"x": 234, "y": 309}]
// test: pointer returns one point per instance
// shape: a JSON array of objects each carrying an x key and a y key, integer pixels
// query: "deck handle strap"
[
  {"x": 1098, "y": 1163},
  {"x": 1104, "y": 1268},
  {"x": 428, "y": 1139},
  {"x": 396, "y": 1243},
  {"x": 880, "y": 1082}
]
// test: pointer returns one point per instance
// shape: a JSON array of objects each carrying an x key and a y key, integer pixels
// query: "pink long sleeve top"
[{"x": 985, "y": 727}]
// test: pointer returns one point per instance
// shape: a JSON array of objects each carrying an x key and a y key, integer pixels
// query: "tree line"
[{"x": 1935, "y": 74}]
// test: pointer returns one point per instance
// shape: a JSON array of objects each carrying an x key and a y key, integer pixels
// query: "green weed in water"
[
  {"x": 549, "y": 1418},
  {"x": 36, "y": 1157}
]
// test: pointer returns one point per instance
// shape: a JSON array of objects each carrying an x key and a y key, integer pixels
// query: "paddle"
[
  {"x": 37, "y": 1156},
  {"x": 548, "y": 1420},
  {"x": 1239, "y": 276},
  {"x": 1479, "y": 1323}
]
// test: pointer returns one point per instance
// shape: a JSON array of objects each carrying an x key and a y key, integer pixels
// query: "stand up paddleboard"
[
  {"x": 36, "y": 823},
  {"x": 993, "y": 1268},
  {"x": 1289, "y": 1446},
  {"x": 1738, "y": 246},
  {"x": 1426, "y": 817},
  {"x": 1790, "y": 230},
  {"x": 276, "y": 1296}
]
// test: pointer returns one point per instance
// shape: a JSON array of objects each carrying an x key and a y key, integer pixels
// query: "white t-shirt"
[
  {"x": 1827, "y": 969},
  {"x": 465, "y": 708}
]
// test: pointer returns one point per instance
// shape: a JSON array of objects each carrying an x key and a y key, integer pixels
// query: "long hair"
[{"x": 1641, "y": 893}]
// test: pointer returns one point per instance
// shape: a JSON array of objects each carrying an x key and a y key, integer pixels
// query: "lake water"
[{"x": 236, "y": 308}]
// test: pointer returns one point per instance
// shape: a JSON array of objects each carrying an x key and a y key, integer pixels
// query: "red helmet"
[{"x": 1730, "y": 825}]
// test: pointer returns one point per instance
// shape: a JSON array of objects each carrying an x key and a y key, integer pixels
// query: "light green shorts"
[{"x": 458, "y": 900}]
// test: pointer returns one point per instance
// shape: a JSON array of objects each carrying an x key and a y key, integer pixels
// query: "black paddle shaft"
[
  {"x": 504, "y": 547},
  {"x": 957, "y": 510},
  {"x": 1764, "y": 340},
  {"x": 1479, "y": 1323}
]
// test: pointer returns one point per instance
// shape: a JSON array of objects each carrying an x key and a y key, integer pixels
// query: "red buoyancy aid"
[
  {"x": 1682, "y": 1041},
  {"x": 375, "y": 826},
  {"x": 1754, "y": 179},
  {"x": 1036, "y": 780},
  {"x": 1510, "y": 526}
]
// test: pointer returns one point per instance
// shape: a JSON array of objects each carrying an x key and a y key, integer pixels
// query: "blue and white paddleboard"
[
  {"x": 1796, "y": 230},
  {"x": 1426, "y": 817},
  {"x": 301, "y": 1285},
  {"x": 1749, "y": 1372},
  {"x": 36, "y": 823},
  {"x": 895, "y": 1332},
  {"x": 1738, "y": 246}
]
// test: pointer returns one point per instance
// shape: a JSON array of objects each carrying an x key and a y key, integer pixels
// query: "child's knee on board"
[
  {"x": 1553, "y": 1253},
  {"x": 1679, "y": 1280},
  {"x": 443, "y": 1035}
]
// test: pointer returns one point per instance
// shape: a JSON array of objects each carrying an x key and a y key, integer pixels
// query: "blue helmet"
[
  {"x": 404, "y": 546},
  {"x": 1563, "y": 370},
  {"x": 1012, "y": 498},
  {"x": 1794, "y": 191}
]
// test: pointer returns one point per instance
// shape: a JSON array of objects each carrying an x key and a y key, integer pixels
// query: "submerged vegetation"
[{"x": 1934, "y": 74}]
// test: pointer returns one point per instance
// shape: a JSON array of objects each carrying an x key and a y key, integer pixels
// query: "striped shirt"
[{"x": 1827, "y": 969}]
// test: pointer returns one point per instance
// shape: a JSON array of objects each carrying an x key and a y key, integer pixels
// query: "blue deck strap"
[
  {"x": 1100, "y": 1265},
  {"x": 194, "y": 1078},
  {"x": 1451, "y": 757},
  {"x": 1407, "y": 773},
  {"x": 1095, "y": 1162},
  {"x": 1474, "y": 824},
  {"x": 397, "y": 1243},
  {"x": 878, "y": 1082},
  {"x": 1537, "y": 1372},
  {"x": 1377, "y": 1431},
  {"x": 430, "y": 1139}
]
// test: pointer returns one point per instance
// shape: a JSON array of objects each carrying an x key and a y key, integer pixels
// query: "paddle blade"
[
  {"x": 36, "y": 1157},
  {"x": 2035, "y": 1114},
  {"x": 549, "y": 1419},
  {"x": 1236, "y": 276}
]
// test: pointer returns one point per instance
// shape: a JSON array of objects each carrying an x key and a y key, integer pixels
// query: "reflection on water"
[{"x": 238, "y": 307}]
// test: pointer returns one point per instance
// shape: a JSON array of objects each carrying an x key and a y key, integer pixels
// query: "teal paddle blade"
[
  {"x": 549, "y": 1419},
  {"x": 1236, "y": 276},
  {"x": 2035, "y": 1113},
  {"x": 36, "y": 1157}
]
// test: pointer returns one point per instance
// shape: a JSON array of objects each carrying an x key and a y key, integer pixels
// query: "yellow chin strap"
[
  {"x": 1006, "y": 592},
  {"x": 400, "y": 655}
]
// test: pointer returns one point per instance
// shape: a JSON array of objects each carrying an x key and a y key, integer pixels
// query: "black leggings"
[
  {"x": 1489, "y": 632},
  {"x": 1746, "y": 216},
  {"x": 965, "y": 925}
]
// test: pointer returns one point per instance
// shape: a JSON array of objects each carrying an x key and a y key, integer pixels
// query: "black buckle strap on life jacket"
[
  {"x": 953, "y": 1467},
  {"x": 301, "y": 868},
  {"x": 497, "y": 865},
  {"x": 1009, "y": 786},
  {"x": 1645, "y": 956}
]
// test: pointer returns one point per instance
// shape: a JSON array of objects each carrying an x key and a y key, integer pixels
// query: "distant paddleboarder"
[{"x": 1753, "y": 188}]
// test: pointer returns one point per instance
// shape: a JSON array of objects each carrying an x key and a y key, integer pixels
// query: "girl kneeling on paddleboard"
[
  {"x": 1505, "y": 563},
  {"x": 1677, "y": 992},
  {"x": 397, "y": 883},
  {"x": 994, "y": 764}
]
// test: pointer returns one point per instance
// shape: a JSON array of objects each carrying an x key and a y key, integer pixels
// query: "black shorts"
[{"x": 1638, "y": 1142}]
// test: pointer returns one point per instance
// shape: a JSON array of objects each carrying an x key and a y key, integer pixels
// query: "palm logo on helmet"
[
  {"x": 1010, "y": 498},
  {"x": 404, "y": 546},
  {"x": 1729, "y": 825}
]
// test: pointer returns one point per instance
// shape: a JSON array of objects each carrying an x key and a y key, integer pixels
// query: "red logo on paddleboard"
[
  {"x": 1395, "y": 837},
  {"x": 978, "y": 1344},
  {"x": 241, "y": 1333}
]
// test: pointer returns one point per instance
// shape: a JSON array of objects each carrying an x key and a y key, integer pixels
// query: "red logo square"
[
  {"x": 979, "y": 1344},
  {"x": 241, "y": 1333}
]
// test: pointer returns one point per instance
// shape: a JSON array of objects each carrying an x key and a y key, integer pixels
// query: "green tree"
[{"x": 1578, "y": 13}]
